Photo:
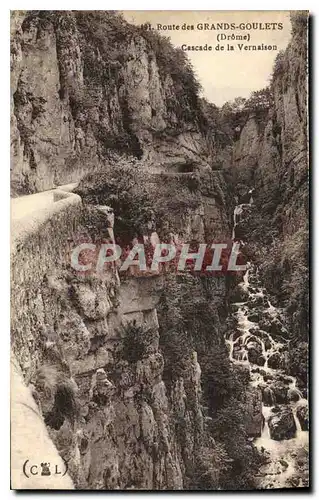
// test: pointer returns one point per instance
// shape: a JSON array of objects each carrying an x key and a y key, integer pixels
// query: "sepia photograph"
[{"x": 159, "y": 250}]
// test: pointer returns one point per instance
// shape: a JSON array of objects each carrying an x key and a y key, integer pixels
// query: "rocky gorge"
[
  {"x": 174, "y": 381},
  {"x": 261, "y": 344}
]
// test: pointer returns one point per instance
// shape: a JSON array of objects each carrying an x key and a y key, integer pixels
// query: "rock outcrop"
[
  {"x": 303, "y": 415},
  {"x": 282, "y": 424},
  {"x": 85, "y": 85}
]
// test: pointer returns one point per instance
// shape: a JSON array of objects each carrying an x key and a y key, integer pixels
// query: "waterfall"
[
  {"x": 236, "y": 217},
  {"x": 281, "y": 435},
  {"x": 251, "y": 200}
]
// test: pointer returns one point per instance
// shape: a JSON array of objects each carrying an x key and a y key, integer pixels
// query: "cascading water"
[{"x": 260, "y": 342}]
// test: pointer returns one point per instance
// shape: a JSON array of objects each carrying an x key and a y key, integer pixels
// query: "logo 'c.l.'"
[{"x": 45, "y": 469}]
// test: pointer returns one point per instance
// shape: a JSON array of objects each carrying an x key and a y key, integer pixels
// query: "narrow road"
[{"x": 24, "y": 205}]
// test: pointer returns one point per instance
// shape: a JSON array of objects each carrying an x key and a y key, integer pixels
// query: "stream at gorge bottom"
[{"x": 259, "y": 341}]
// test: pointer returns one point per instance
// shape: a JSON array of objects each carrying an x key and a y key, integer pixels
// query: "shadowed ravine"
[{"x": 284, "y": 433}]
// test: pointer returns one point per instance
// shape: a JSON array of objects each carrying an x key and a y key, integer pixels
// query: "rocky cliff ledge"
[
  {"x": 96, "y": 354},
  {"x": 86, "y": 84}
]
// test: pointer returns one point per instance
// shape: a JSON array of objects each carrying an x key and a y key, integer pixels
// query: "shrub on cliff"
[
  {"x": 121, "y": 185},
  {"x": 299, "y": 22},
  {"x": 259, "y": 100},
  {"x": 175, "y": 340},
  {"x": 284, "y": 267},
  {"x": 184, "y": 102},
  {"x": 173, "y": 198},
  {"x": 229, "y": 429},
  {"x": 211, "y": 463},
  {"x": 105, "y": 29},
  {"x": 298, "y": 362},
  {"x": 234, "y": 114},
  {"x": 221, "y": 381},
  {"x": 279, "y": 67},
  {"x": 214, "y": 125},
  {"x": 136, "y": 342}
]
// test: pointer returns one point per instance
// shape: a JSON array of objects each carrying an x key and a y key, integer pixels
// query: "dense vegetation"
[
  {"x": 184, "y": 101},
  {"x": 121, "y": 185},
  {"x": 106, "y": 40},
  {"x": 227, "y": 122},
  {"x": 189, "y": 320}
]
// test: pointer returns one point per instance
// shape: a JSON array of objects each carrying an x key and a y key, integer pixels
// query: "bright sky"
[{"x": 229, "y": 74}]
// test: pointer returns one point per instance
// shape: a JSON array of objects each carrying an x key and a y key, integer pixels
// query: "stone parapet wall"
[{"x": 40, "y": 243}]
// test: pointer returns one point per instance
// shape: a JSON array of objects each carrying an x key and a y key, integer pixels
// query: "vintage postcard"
[{"x": 159, "y": 250}]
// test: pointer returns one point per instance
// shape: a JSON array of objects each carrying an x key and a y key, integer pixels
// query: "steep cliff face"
[
  {"x": 86, "y": 84},
  {"x": 88, "y": 348}
]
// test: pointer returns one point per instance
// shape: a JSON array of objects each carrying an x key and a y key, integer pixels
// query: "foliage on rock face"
[
  {"x": 106, "y": 38},
  {"x": 296, "y": 293},
  {"x": 212, "y": 462},
  {"x": 299, "y": 21},
  {"x": 174, "y": 62},
  {"x": 52, "y": 384},
  {"x": 136, "y": 342},
  {"x": 226, "y": 123},
  {"x": 238, "y": 111},
  {"x": 173, "y": 198},
  {"x": 189, "y": 321},
  {"x": 279, "y": 67},
  {"x": 221, "y": 381},
  {"x": 224, "y": 386},
  {"x": 298, "y": 362},
  {"x": 258, "y": 100},
  {"x": 284, "y": 266},
  {"x": 175, "y": 340},
  {"x": 121, "y": 185},
  {"x": 245, "y": 458},
  {"x": 214, "y": 126}
]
